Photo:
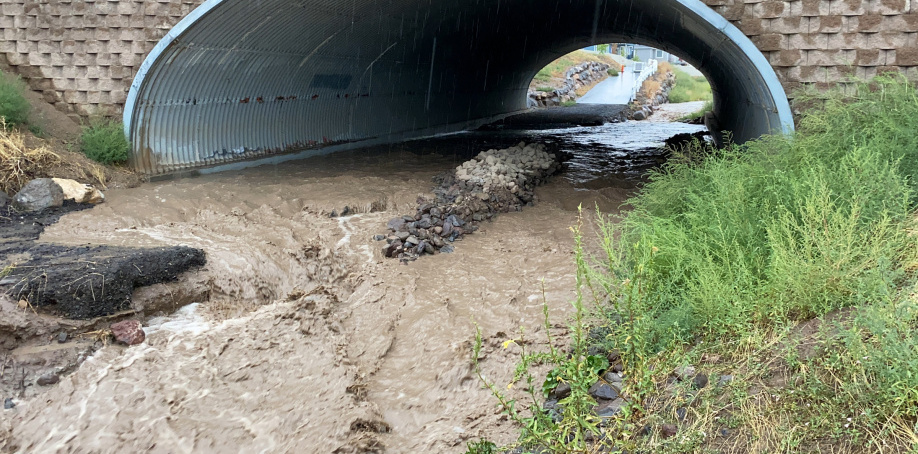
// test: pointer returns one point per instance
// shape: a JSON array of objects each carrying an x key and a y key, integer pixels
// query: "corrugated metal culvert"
[{"x": 239, "y": 79}]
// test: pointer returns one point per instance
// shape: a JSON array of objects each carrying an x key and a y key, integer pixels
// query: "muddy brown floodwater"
[{"x": 304, "y": 337}]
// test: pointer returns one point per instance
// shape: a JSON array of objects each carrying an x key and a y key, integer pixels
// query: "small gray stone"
[
  {"x": 639, "y": 115},
  {"x": 403, "y": 235},
  {"x": 47, "y": 379},
  {"x": 700, "y": 381},
  {"x": 435, "y": 212},
  {"x": 396, "y": 224},
  {"x": 455, "y": 220},
  {"x": 550, "y": 404},
  {"x": 612, "y": 377},
  {"x": 610, "y": 408},
  {"x": 724, "y": 379},
  {"x": 412, "y": 241},
  {"x": 4, "y": 199},
  {"x": 8, "y": 403},
  {"x": 684, "y": 373},
  {"x": 561, "y": 391},
  {"x": 62, "y": 337},
  {"x": 448, "y": 249},
  {"x": 601, "y": 390},
  {"x": 681, "y": 413},
  {"x": 379, "y": 237}
]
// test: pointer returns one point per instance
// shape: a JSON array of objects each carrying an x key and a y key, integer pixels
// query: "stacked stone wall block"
[{"x": 83, "y": 55}]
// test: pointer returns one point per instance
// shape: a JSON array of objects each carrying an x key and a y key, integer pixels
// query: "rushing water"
[{"x": 311, "y": 341}]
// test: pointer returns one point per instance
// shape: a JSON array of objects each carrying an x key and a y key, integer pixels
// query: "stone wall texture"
[{"x": 82, "y": 55}]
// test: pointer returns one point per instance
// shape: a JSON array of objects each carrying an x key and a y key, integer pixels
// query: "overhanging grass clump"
[{"x": 103, "y": 141}]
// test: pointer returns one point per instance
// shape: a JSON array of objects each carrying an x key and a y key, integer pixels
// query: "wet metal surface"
[{"x": 242, "y": 79}]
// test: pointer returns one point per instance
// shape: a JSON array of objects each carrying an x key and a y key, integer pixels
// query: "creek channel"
[{"x": 301, "y": 336}]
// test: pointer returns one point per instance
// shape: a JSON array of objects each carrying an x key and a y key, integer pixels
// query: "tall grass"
[
  {"x": 14, "y": 108},
  {"x": 761, "y": 237},
  {"x": 726, "y": 253},
  {"x": 780, "y": 229},
  {"x": 689, "y": 88}
]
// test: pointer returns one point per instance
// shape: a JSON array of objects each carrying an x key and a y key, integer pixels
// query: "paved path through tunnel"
[{"x": 614, "y": 90}]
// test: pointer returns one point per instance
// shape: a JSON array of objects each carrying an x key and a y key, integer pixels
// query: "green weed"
[
  {"x": 13, "y": 106},
  {"x": 103, "y": 141}
]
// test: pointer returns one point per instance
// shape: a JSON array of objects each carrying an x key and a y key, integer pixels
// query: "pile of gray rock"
[
  {"x": 43, "y": 193},
  {"x": 644, "y": 106},
  {"x": 495, "y": 181},
  {"x": 575, "y": 78}
]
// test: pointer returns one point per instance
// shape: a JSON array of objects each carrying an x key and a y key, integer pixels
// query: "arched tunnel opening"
[{"x": 238, "y": 80}]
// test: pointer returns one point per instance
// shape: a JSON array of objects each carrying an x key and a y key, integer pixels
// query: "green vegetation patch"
[
  {"x": 103, "y": 141},
  {"x": 788, "y": 264},
  {"x": 14, "y": 109},
  {"x": 689, "y": 88}
]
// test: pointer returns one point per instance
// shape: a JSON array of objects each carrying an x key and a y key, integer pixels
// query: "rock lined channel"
[{"x": 495, "y": 181}]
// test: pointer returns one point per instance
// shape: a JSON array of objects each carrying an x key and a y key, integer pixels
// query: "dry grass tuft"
[
  {"x": 19, "y": 163},
  {"x": 650, "y": 88}
]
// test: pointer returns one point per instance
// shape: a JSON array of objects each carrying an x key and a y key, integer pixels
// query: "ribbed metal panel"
[{"x": 241, "y": 79}]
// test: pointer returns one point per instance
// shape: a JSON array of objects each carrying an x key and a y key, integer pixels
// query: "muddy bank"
[{"x": 80, "y": 281}]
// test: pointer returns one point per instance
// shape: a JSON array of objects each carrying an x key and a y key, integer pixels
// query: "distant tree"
[{"x": 603, "y": 48}]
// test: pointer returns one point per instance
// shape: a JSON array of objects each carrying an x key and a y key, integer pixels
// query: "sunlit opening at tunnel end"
[{"x": 304, "y": 78}]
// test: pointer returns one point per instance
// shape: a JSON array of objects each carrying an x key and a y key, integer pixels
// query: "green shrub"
[
  {"x": 104, "y": 142},
  {"x": 13, "y": 106},
  {"x": 613, "y": 71}
]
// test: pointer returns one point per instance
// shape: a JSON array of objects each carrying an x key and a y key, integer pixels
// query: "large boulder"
[
  {"x": 79, "y": 192},
  {"x": 39, "y": 194}
]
